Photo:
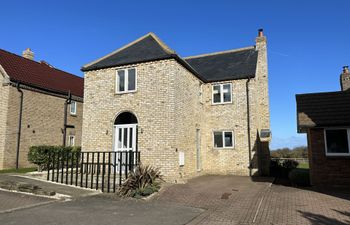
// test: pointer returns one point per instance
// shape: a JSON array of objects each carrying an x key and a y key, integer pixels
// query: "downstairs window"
[
  {"x": 337, "y": 142},
  {"x": 223, "y": 139}
]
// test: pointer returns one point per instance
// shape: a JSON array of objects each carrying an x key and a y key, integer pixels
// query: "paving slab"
[
  {"x": 10, "y": 201},
  {"x": 103, "y": 210}
]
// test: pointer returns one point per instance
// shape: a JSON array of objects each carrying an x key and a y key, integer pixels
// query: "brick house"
[
  {"x": 33, "y": 97},
  {"x": 325, "y": 117},
  {"x": 204, "y": 114}
]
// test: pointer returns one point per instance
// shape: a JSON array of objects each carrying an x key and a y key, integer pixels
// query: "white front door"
[
  {"x": 124, "y": 142},
  {"x": 125, "y": 137}
]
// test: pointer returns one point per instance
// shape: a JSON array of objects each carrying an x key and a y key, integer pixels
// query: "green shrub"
[
  {"x": 290, "y": 164},
  {"x": 281, "y": 168},
  {"x": 299, "y": 177},
  {"x": 144, "y": 181},
  {"x": 39, "y": 155}
]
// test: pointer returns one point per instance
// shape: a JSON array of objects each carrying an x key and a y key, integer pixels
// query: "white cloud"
[{"x": 290, "y": 142}]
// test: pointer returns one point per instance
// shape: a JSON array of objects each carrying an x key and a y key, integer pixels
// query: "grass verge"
[{"x": 20, "y": 170}]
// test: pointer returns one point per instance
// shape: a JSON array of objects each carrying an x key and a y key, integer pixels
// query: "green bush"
[
  {"x": 39, "y": 155},
  {"x": 299, "y": 177},
  {"x": 281, "y": 168},
  {"x": 144, "y": 181}
]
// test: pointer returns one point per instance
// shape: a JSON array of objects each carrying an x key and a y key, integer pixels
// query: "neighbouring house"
[
  {"x": 204, "y": 114},
  {"x": 325, "y": 118},
  {"x": 33, "y": 99}
]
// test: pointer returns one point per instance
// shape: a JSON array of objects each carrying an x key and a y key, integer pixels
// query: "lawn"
[
  {"x": 20, "y": 170},
  {"x": 303, "y": 166}
]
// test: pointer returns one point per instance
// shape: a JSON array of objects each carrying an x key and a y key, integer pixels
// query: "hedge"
[{"x": 39, "y": 155}]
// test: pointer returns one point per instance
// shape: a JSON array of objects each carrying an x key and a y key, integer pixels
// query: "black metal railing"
[{"x": 96, "y": 170}]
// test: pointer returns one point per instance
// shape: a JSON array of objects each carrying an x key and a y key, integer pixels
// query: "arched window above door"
[{"x": 125, "y": 118}]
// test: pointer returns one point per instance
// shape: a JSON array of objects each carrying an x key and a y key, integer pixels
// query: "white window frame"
[
  {"x": 126, "y": 81},
  {"x": 69, "y": 140},
  {"x": 75, "y": 108},
  {"x": 223, "y": 139},
  {"x": 221, "y": 94},
  {"x": 325, "y": 142}
]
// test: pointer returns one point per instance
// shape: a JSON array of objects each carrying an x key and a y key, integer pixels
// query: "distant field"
[{"x": 303, "y": 166}]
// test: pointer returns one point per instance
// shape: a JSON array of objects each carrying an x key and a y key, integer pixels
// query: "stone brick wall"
[
  {"x": 171, "y": 104},
  {"x": 326, "y": 170},
  {"x": 42, "y": 123},
  {"x": 4, "y": 93}
]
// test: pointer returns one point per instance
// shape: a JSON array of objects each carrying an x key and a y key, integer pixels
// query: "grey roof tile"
[
  {"x": 229, "y": 65},
  {"x": 323, "y": 109}
]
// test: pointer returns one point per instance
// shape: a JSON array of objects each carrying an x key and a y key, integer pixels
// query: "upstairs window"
[
  {"x": 222, "y": 93},
  {"x": 126, "y": 80},
  {"x": 73, "y": 108},
  {"x": 337, "y": 142},
  {"x": 223, "y": 139}
]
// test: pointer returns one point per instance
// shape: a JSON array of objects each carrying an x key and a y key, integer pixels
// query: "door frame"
[{"x": 116, "y": 135}]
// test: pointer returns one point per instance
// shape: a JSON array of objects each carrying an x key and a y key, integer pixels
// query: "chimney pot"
[
  {"x": 260, "y": 32},
  {"x": 28, "y": 54},
  {"x": 345, "y": 69}
]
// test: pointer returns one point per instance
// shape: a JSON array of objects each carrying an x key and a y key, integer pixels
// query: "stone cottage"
[
  {"x": 34, "y": 97},
  {"x": 204, "y": 114},
  {"x": 325, "y": 118}
]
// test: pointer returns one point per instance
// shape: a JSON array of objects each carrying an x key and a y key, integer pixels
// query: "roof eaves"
[{"x": 125, "y": 64}]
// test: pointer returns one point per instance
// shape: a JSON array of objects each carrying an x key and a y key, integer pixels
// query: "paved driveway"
[{"x": 239, "y": 200}]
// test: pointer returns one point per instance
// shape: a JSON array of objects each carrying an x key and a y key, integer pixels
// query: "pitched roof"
[
  {"x": 40, "y": 74},
  {"x": 228, "y": 65},
  {"x": 323, "y": 109},
  {"x": 146, "y": 48}
]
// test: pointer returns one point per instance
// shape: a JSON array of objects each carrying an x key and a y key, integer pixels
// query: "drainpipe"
[
  {"x": 248, "y": 128},
  {"x": 68, "y": 101},
  {"x": 19, "y": 125}
]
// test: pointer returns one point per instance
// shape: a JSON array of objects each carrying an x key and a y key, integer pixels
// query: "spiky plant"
[{"x": 144, "y": 181}]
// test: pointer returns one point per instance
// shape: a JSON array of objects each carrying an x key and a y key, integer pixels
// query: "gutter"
[
  {"x": 19, "y": 124},
  {"x": 248, "y": 128},
  {"x": 65, "y": 126}
]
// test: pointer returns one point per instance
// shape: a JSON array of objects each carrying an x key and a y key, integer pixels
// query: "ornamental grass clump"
[{"x": 144, "y": 181}]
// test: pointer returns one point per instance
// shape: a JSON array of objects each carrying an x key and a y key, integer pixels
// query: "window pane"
[
  {"x": 228, "y": 139},
  {"x": 125, "y": 141},
  {"x": 218, "y": 140},
  {"x": 132, "y": 78},
  {"x": 121, "y": 80},
  {"x": 130, "y": 137},
  {"x": 337, "y": 141},
  {"x": 120, "y": 137},
  {"x": 227, "y": 92},
  {"x": 73, "y": 107},
  {"x": 216, "y": 94}
]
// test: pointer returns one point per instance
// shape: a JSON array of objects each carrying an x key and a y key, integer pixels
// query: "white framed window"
[
  {"x": 71, "y": 140},
  {"x": 73, "y": 108},
  {"x": 223, "y": 139},
  {"x": 222, "y": 93},
  {"x": 126, "y": 80},
  {"x": 337, "y": 141}
]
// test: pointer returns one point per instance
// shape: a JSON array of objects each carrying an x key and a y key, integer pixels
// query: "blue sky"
[{"x": 308, "y": 41}]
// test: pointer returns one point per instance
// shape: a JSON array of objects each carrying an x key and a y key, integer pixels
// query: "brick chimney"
[
  {"x": 28, "y": 54},
  {"x": 345, "y": 79}
]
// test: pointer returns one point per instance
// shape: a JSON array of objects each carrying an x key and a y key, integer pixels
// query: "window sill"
[
  {"x": 223, "y": 149},
  {"x": 124, "y": 92},
  {"x": 345, "y": 155},
  {"x": 225, "y": 103},
  {"x": 73, "y": 115}
]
